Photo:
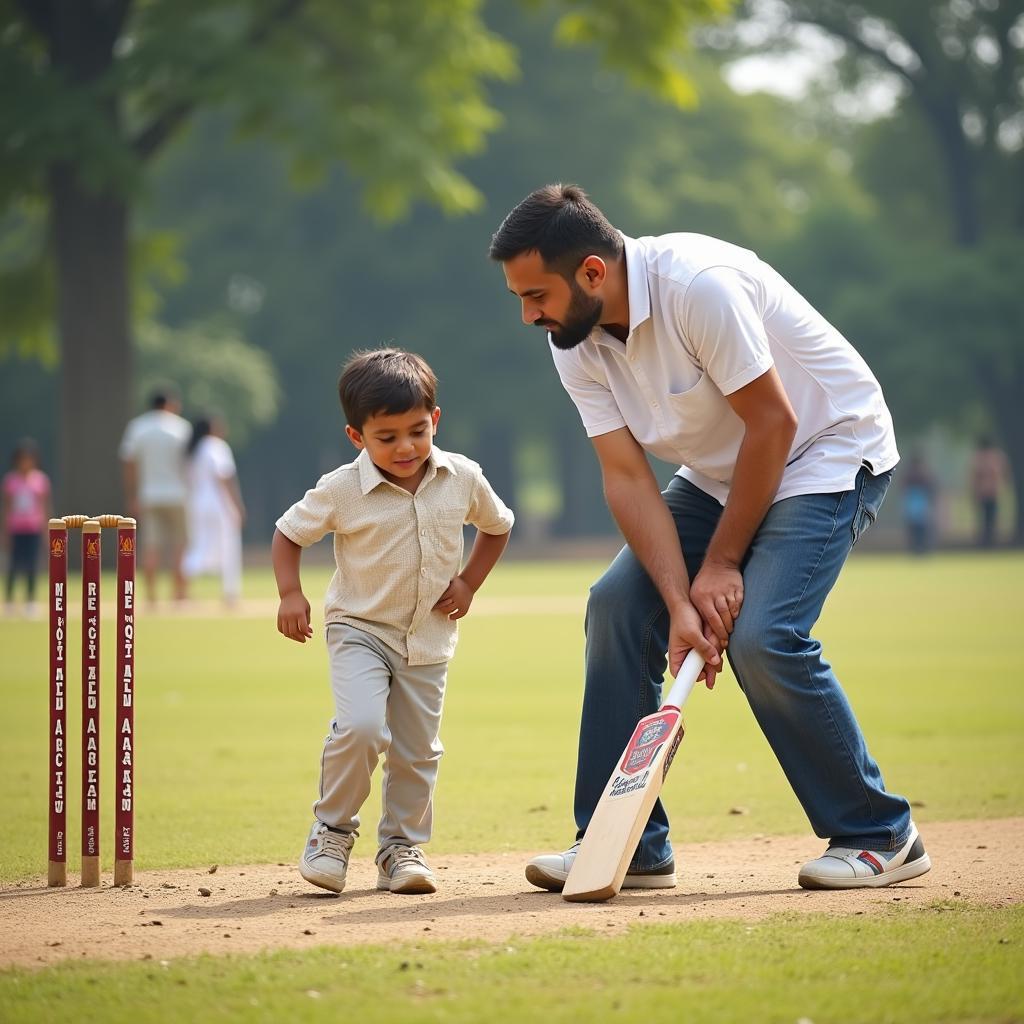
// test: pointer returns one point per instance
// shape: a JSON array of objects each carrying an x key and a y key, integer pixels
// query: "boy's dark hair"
[
  {"x": 385, "y": 380},
  {"x": 560, "y": 223}
]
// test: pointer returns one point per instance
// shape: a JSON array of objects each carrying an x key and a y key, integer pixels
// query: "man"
[
  {"x": 694, "y": 350},
  {"x": 153, "y": 462}
]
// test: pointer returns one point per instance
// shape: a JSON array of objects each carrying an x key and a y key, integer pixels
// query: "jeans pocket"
[{"x": 870, "y": 495}]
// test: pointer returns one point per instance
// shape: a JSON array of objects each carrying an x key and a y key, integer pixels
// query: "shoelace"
[
  {"x": 336, "y": 845},
  {"x": 401, "y": 855}
]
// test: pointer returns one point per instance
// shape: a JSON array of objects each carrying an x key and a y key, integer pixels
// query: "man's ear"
[
  {"x": 591, "y": 273},
  {"x": 355, "y": 437}
]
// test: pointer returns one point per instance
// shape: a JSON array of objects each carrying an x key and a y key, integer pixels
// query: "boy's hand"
[
  {"x": 293, "y": 617},
  {"x": 455, "y": 601}
]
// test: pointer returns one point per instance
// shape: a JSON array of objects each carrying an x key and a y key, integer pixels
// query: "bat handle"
[{"x": 685, "y": 679}]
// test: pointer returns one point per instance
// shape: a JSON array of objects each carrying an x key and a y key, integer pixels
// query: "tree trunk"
[
  {"x": 943, "y": 114},
  {"x": 90, "y": 234},
  {"x": 89, "y": 228}
]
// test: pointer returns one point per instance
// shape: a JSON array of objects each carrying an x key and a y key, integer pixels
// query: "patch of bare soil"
[{"x": 266, "y": 907}]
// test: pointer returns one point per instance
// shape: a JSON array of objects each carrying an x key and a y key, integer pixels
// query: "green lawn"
[
  {"x": 230, "y": 718},
  {"x": 922, "y": 965}
]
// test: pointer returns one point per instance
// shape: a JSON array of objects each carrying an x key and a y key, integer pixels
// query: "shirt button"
[
  {"x": 423, "y": 533},
  {"x": 654, "y": 405},
  {"x": 423, "y": 572}
]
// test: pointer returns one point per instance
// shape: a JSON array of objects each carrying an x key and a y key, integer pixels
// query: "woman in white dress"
[{"x": 215, "y": 509}]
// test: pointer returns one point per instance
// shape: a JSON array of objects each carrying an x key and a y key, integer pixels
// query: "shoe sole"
[
  {"x": 418, "y": 886},
  {"x": 537, "y": 876},
  {"x": 903, "y": 873},
  {"x": 320, "y": 879}
]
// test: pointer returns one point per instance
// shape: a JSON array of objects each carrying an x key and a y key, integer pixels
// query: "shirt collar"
[
  {"x": 636, "y": 282},
  {"x": 370, "y": 476},
  {"x": 637, "y": 290}
]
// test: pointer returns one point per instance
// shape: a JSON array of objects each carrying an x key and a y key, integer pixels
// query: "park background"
[{"x": 233, "y": 196}]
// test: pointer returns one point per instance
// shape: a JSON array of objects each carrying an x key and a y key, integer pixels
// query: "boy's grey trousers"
[{"x": 382, "y": 706}]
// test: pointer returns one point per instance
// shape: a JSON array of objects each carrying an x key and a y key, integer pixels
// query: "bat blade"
[
  {"x": 603, "y": 857},
  {"x": 618, "y": 822}
]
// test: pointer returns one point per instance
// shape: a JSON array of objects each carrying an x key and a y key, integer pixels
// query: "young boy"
[{"x": 391, "y": 611}]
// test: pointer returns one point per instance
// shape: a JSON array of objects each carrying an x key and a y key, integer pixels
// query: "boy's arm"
[
  {"x": 487, "y": 549},
  {"x": 293, "y": 613}
]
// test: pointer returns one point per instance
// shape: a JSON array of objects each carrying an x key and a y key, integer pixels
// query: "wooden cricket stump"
[{"x": 124, "y": 742}]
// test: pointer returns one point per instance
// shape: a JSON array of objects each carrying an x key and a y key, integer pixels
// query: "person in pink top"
[{"x": 26, "y": 509}]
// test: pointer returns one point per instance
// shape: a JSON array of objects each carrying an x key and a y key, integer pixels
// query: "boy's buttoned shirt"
[
  {"x": 706, "y": 318},
  {"x": 397, "y": 552}
]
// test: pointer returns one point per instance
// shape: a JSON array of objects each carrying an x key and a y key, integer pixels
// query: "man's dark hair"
[
  {"x": 385, "y": 380},
  {"x": 161, "y": 396},
  {"x": 560, "y": 223}
]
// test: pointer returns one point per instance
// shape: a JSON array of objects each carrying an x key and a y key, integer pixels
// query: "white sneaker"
[
  {"x": 550, "y": 870},
  {"x": 324, "y": 861},
  {"x": 841, "y": 867},
  {"x": 404, "y": 869}
]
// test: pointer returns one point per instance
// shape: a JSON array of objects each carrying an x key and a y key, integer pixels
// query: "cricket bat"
[{"x": 622, "y": 812}]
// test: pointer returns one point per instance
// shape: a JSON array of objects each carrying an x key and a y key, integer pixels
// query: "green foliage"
[
  {"x": 947, "y": 331},
  {"x": 959, "y": 65},
  {"x": 643, "y": 40},
  {"x": 26, "y": 286},
  {"x": 738, "y": 167},
  {"x": 215, "y": 369}
]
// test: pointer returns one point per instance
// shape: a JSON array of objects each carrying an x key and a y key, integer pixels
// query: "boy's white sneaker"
[
  {"x": 324, "y": 861},
  {"x": 841, "y": 867},
  {"x": 404, "y": 869}
]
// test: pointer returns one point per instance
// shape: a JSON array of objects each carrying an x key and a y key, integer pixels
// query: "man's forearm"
[
  {"x": 759, "y": 466},
  {"x": 649, "y": 530}
]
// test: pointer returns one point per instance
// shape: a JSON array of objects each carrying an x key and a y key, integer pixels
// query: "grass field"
[{"x": 230, "y": 718}]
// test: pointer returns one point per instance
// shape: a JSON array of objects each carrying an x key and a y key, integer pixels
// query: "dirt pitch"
[{"x": 266, "y": 907}]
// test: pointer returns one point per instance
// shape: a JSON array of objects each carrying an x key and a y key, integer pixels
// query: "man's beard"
[{"x": 582, "y": 317}]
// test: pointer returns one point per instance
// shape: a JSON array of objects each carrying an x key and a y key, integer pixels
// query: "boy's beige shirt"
[{"x": 397, "y": 552}]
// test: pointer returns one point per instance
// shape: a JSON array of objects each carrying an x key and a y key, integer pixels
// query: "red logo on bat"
[{"x": 646, "y": 742}]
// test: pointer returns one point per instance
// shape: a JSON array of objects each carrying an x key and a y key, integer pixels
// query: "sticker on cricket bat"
[{"x": 646, "y": 742}]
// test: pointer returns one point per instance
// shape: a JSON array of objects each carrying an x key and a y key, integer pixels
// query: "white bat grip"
[{"x": 685, "y": 679}]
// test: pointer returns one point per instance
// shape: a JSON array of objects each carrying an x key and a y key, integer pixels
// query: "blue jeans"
[{"x": 793, "y": 563}]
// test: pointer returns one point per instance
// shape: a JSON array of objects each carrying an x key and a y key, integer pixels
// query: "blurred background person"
[
  {"x": 153, "y": 462},
  {"x": 920, "y": 505},
  {"x": 988, "y": 475},
  {"x": 216, "y": 511},
  {"x": 26, "y": 509}
]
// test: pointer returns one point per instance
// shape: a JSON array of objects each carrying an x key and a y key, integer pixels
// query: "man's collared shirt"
[
  {"x": 156, "y": 442},
  {"x": 397, "y": 552},
  {"x": 705, "y": 319}
]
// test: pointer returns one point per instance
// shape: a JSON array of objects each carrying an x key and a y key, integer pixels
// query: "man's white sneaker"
[
  {"x": 550, "y": 870},
  {"x": 404, "y": 869},
  {"x": 840, "y": 867},
  {"x": 324, "y": 861}
]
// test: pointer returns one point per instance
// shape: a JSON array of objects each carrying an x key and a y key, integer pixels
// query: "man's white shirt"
[
  {"x": 156, "y": 443},
  {"x": 705, "y": 319}
]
